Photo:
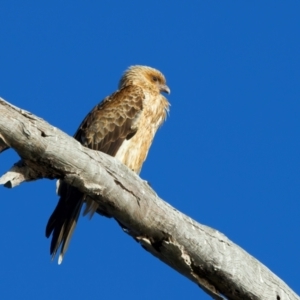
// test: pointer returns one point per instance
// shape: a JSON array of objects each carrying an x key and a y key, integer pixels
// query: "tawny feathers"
[{"x": 122, "y": 125}]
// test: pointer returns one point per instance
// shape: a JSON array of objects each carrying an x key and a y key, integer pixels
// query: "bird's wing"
[
  {"x": 112, "y": 121},
  {"x": 104, "y": 129}
]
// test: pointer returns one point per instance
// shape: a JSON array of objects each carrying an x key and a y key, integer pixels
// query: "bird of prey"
[{"x": 123, "y": 125}]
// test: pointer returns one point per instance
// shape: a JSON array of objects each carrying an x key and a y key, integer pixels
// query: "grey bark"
[{"x": 202, "y": 254}]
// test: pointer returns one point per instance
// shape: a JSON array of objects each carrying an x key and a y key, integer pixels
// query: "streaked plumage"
[{"x": 123, "y": 125}]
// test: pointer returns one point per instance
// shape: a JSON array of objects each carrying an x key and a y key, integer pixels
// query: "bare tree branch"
[{"x": 200, "y": 253}]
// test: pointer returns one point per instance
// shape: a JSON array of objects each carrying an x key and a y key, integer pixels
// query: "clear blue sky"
[{"x": 228, "y": 155}]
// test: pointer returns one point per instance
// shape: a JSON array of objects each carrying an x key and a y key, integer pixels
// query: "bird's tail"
[{"x": 64, "y": 218}]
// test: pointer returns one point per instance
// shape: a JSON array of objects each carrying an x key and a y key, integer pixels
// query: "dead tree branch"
[{"x": 202, "y": 254}]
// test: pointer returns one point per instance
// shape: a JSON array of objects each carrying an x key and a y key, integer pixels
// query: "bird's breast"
[{"x": 133, "y": 152}]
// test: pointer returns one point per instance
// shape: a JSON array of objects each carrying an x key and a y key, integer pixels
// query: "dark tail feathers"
[{"x": 64, "y": 219}]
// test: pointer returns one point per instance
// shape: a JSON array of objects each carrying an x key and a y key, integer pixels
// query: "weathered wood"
[{"x": 202, "y": 254}]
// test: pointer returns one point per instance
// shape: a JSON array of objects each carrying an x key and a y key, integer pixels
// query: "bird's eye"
[{"x": 154, "y": 78}]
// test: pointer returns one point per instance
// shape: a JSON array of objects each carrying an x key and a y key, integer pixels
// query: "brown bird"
[{"x": 123, "y": 125}]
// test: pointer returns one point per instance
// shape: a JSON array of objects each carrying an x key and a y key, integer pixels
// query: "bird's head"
[{"x": 146, "y": 77}]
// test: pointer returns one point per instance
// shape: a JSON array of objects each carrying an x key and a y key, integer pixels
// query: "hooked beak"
[{"x": 165, "y": 89}]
